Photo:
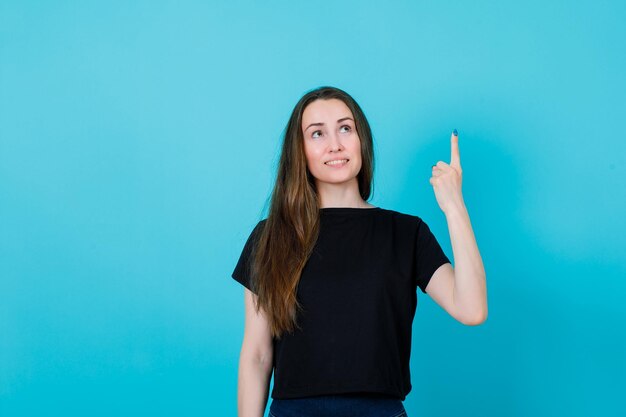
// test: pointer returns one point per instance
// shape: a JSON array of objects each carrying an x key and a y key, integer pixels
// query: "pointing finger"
[{"x": 455, "y": 157}]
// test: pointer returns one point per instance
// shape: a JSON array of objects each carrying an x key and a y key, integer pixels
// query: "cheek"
[
  {"x": 312, "y": 152},
  {"x": 308, "y": 152},
  {"x": 356, "y": 151},
  {"x": 312, "y": 157}
]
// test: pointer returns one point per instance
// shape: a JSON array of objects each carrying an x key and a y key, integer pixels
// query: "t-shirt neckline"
[{"x": 348, "y": 210}]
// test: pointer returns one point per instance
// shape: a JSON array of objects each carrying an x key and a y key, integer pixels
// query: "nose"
[{"x": 335, "y": 143}]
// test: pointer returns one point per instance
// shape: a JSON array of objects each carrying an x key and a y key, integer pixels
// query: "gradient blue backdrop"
[{"x": 138, "y": 144}]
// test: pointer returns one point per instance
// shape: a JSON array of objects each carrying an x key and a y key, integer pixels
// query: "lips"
[{"x": 341, "y": 161}]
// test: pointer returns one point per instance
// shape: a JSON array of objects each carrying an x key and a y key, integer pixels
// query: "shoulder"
[
  {"x": 400, "y": 218},
  {"x": 253, "y": 235},
  {"x": 258, "y": 228},
  {"x": 260, "y": 224}
]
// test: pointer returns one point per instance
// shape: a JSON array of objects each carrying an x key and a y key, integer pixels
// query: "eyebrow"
[{"x": 322, "y": 124}]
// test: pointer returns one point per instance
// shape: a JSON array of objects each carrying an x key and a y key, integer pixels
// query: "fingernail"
[{"x": 455, "y": 133}]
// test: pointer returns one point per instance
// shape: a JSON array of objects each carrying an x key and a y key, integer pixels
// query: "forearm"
[
  {"x": 253, "y": 387},
  {"x": 470, "y": 290}
]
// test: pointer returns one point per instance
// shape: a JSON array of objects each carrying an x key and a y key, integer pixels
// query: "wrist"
[{"x": 455, "y": 209}]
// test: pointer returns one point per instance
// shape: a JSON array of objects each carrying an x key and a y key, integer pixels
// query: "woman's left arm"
[{"x": 470, "y": 287}]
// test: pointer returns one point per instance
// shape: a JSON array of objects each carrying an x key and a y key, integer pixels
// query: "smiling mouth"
[{"x": 337, "y": 162}]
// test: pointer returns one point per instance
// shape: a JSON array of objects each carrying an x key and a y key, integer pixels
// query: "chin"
[{"x": 336, "y": 180}]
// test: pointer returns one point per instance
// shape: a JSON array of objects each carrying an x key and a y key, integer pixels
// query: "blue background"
[{"x": 138, "y": 144}]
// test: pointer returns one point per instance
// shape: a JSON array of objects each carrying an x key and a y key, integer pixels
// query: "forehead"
[{"x": 325, "y": 111}]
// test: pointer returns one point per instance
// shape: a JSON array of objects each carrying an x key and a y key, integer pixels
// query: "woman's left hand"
[{"x": 446, "y": 179}]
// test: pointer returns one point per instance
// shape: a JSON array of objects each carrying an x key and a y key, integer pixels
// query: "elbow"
[
  {"x": 476, "y": 319},
  {"x": 257, "y": 357}
]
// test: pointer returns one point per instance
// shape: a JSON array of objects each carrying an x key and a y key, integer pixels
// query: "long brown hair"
[{"x": 291, "y": 229}]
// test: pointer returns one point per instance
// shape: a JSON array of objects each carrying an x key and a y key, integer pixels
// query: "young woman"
[{"x": 331, "y": 280}]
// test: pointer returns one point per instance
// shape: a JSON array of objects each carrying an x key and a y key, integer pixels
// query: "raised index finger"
[{"x": 455, "y": 158}]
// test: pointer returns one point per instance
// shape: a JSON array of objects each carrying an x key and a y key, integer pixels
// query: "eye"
[
  {"x": 313, "y": 134},
  {"x": 349, "y": 128}
]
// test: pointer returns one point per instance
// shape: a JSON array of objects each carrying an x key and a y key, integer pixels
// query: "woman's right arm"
[{"x": 255, "y": 361}]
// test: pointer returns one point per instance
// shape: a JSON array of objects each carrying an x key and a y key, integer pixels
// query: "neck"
[{"x": 340, "y": 195}]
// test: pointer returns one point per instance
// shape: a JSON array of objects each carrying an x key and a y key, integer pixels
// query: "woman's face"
[{"x": 330, "y": 135}]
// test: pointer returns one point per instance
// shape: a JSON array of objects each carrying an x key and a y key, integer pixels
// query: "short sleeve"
[
  {"x": 242, "y": 271},
  {"x": 429, "y": 255}
]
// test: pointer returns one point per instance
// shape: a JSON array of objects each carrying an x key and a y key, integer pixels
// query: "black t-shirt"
[{"x": 359, "y": 294}]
